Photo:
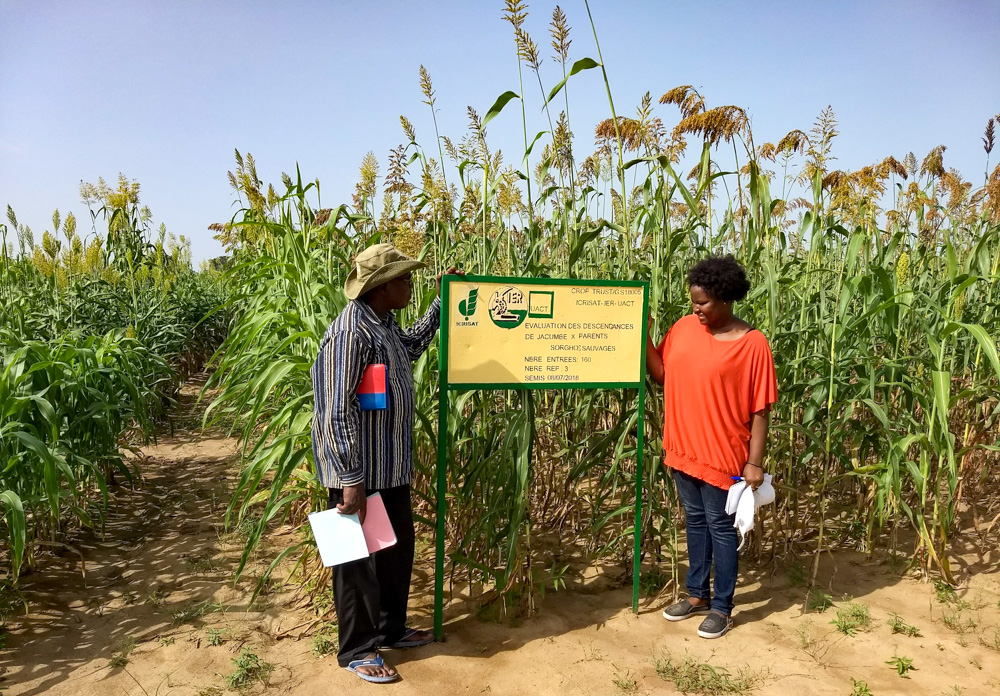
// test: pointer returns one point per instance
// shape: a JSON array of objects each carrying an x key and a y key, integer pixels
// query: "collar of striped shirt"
[{"x": 367, "y": 314}]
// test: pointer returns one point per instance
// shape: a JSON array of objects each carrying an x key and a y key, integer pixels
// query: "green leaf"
[
  {"x": 498, "y": 106},
  {"x": 942, "y": 389},
  {"x": 578, "y": 66},
  {"x": 531, "y": 147},
  {"x": 17, "y": 523},
  {"x": 986, "y": 344}
]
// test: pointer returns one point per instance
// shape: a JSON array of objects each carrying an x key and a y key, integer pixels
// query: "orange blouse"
[{"x": 711, "y": 388}]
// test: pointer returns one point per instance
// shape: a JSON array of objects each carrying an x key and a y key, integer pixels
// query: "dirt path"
[{"x": 156, "y": 614}]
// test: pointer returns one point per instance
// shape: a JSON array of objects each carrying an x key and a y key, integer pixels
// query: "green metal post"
[
  {"x": 640, "y": 445},
  {"x": 442, "y": 460}
]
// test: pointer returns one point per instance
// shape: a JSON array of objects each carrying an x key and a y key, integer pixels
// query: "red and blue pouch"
[{"x": 372, "y": 394}]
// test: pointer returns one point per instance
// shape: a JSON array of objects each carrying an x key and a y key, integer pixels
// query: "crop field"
[
  {"x": 877, "y": 289},
  {"x": 97, "y": 332}
]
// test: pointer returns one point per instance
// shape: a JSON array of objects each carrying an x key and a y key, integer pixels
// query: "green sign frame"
[{"x": 445, "y": 387}]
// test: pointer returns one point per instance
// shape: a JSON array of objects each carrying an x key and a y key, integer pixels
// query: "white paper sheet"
[{"x": 339, "y": 538}]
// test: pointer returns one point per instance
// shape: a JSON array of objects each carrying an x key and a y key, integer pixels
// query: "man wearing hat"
[{"x": 358, "y": 452}]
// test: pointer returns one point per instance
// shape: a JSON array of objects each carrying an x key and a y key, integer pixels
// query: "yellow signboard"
[{"x": 531, "y": 332}]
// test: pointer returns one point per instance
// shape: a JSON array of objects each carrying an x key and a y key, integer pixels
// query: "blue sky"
[{"x": 164, "y": 91}]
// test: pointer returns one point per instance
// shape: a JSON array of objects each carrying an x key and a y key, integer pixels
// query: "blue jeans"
[{"x": 710, "y": 537}]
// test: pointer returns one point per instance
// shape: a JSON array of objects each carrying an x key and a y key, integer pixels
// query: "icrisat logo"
[{"x": 467, "y": 307}]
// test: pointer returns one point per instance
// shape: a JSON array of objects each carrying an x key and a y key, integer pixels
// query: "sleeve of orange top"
[{"x": 764, "y": 383}]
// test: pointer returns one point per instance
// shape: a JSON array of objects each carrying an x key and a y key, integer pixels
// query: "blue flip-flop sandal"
[
  {"x": 408, "y": 640},
  {"x": 373, "y": 662}
]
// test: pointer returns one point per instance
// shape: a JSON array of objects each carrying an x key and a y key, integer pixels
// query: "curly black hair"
[{"x": 721, "y": 277}]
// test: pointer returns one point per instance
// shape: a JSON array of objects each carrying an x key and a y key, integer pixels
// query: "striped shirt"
[{"x": 352, "y": 446}]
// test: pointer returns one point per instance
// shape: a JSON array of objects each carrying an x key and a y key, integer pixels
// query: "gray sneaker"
[
  {"x": 715, "y": 625},
  {"x": 684, "y": 609}
]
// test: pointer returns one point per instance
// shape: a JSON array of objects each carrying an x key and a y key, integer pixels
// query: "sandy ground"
[{"x": 158, "y": 583}]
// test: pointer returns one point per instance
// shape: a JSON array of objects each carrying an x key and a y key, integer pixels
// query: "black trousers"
[{"x": 371, "y": 594}]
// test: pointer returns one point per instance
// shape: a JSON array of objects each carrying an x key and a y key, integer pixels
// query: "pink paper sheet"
[{"x": 377, "y": 528}]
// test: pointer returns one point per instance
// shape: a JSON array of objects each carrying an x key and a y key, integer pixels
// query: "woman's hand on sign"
[
  {"x": 452, "y": 270},
  {"x": 355, "y": 501}
]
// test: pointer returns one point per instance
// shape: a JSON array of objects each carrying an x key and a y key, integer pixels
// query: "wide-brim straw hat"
[{"x": 376, "y": 265}]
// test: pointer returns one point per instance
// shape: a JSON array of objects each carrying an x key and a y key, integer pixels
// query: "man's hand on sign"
[
  {"x": 355, "y": 500},
  {"x": 452, "y": 270}
]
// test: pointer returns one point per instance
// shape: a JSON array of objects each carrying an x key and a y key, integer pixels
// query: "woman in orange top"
[{"x": 718, "y": 381}]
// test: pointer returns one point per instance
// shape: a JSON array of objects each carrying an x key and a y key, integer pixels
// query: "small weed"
[
  {"x": 977, "y": 602},
  {"x": 976, "y": 663},
  {"x": 852, "y": 618},
  {"x": 554, "y": 577},
  {"x": 897, "y": 625},
  {"x": 797, "y": 574},
  {"x": 691, "y": 676},
  {"x": 205, "y": 563},
  {"x": 945, "y": 593},
  {"x": 156, "y": 598},
  {"x": 626, "y": 683},
  {"x": 816, "y": 649},
  {"x": 165, "y": 640},
  {"x": 123, "y": 648},
  {"x": 246, "y": 526},
  {"x": 325, "y": 642},
  {"x": 956, "y": 623},
  {"x": 804, "y": 632},
  {"x": 324, "y": 645},
  {"x": 902, "y": 665},
  {"x": 819, "y": 602},
  {"x": 323, "y": 602},
  {"x": 853, "y": 532},
  {"x": 860, "y": 688},
  {"x": 11, "y": 600},
  {"x": 652, "y": 581},
  {"x": 210, "y": 691},
  {"x": 267, "y": 586},
  {"x": 193, "y": 611},
  {"x": 130, "y": 598},
  {"x": 249, "y": 669},
  {"x": 215, "y": 636},
  {"x": 954, "y": 690},
  {"x": 592, "y": 654}
]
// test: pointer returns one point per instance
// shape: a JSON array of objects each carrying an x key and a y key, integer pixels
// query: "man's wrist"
[{"x": 759, "y": 466}]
